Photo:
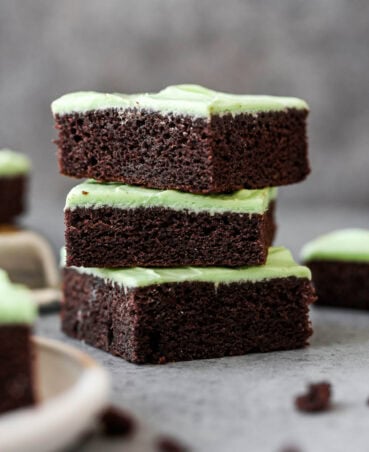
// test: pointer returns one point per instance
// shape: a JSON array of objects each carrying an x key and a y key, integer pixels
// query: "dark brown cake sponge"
[
  {"x": 198, "y": 155},
  {"x": 160, "y": 237},
  {"x": 188, "y": 320}
]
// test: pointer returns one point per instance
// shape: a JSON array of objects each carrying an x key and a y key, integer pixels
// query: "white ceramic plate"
[
  {"x": 28, "y": 259},
  {"x": 72, "y": 389}
]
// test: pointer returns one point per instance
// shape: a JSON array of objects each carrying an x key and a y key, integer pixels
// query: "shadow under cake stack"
[{"x": 168, "y": 249}]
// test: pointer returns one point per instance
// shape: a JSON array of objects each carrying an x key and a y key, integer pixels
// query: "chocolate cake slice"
[
  {"x": 114, "y": 225},
  {"x": 339, "y": 262},
  {"x": 17, "y": 313},
  {"x": 184, "y": 137},
  {"x": 149, "y": 315},
  {"x": 14, "y": 168}
]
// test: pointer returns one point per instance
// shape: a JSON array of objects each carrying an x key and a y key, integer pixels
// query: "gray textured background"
[{"x": 316, "y": 49}]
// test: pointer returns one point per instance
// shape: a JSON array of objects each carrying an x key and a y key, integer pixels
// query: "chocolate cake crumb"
[
  {"x": 167, "y": 444},
  {"x": 317, "y": 398},
  {"x": 116, "y": 422},
  {"x": 290, "y": 448},
  {"x": 16, "y": 377}
]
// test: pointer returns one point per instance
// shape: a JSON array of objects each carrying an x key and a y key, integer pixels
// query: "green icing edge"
[
  {"x": 13, "y": 163},
  {"x": 91, "y": 194},
  {"x": 16, "y": 304},
  {"x": 349, "y": 245},
  {"x": 280, "y": 264},
  {"x": 193, "y": 100}
]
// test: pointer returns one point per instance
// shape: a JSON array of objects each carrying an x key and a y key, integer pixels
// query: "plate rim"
[{"x": 50, "y": 425}]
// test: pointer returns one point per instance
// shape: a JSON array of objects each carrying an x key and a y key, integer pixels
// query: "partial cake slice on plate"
[
  {"x": 339, "y": 262},
  {"x": 17, "y": 314},
  {"x": 184, "y": 137},
  {"x": 114, "y": 225},
  {"x": 14, "y": 169},
  {"x": 149, "y": 315}
]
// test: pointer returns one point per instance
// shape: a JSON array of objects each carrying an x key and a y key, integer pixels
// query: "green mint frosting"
[
  {"x": 350, "y": 245},
  {"x": 280, "y": 264},
  {"x": 16, "y": 305},
  {"x": 191, "y": 100},
  {"x": 13, "y": 163},
  {"x": 91, "y": 194}
]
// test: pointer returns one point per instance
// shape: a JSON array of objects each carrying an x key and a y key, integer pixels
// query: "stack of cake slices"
[{"x": 168, "y": 251}]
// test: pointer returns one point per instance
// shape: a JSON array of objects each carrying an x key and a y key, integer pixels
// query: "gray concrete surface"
[{"x": 246, "y": 403}]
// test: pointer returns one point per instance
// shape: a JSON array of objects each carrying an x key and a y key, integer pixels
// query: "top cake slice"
[{"x": 184, "y": 137}]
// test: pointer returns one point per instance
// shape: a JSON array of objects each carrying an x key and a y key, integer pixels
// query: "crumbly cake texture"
[
  {"x": 160, "y": 315},
  {"x": 17, "y": 314},
  {"x": 339, "y": 262},
  {"x": 186, "y": 137},
  {"x": 112, "y": 225}
]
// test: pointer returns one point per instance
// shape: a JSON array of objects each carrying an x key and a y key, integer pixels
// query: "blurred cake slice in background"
[
  {"x": 339, "y": 262},
  {"x": 26, "y": 256},
  {"x": 14, "y": 170},
  {"x": 17, "y": 314}
]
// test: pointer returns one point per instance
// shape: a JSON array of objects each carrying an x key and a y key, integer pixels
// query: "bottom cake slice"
[{"x": 159, "y": 315}]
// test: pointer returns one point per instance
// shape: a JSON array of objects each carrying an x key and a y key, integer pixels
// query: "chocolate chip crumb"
[
  {"x": 317, "y": 398},
  {"x": 116, "y": 422},
  {"x": 290, "y": 448},
  {"x": 167, "y": 444},
  {"x": 84, "y": 192}
]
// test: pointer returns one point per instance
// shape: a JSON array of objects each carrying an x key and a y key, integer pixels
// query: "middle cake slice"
[{"x": 115, "y": 225}]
